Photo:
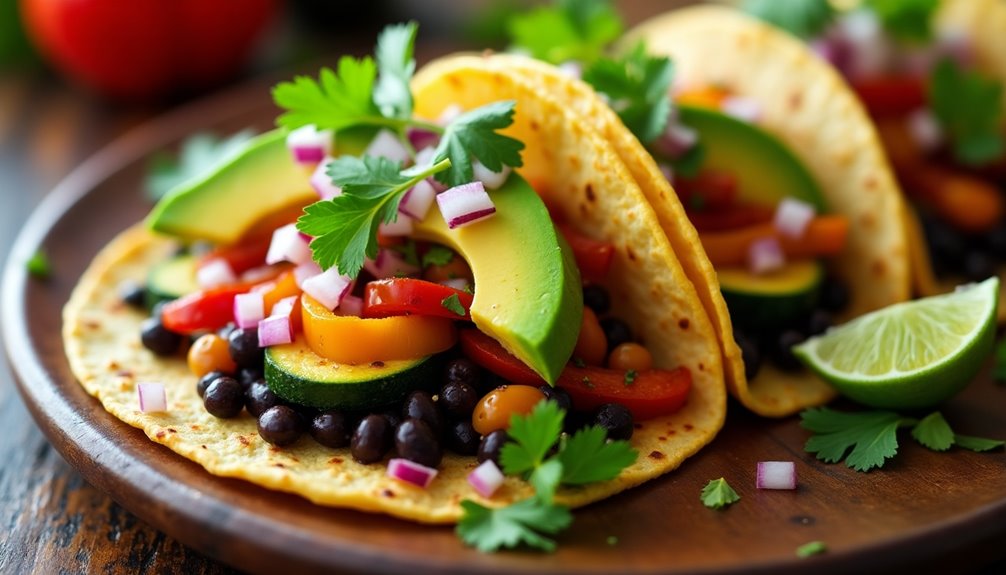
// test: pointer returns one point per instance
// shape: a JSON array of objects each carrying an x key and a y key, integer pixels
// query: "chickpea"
[
  {"x": 210, "y": 353},
  {"x": 493, "y": 411},
  {"x": 592, "y": 345},
  {"x": 632, "y": 356}
]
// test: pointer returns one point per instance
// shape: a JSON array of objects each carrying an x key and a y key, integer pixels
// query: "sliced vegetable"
[
  {"x": 488, "y": 353},
  {"x": 765, "y": 256},
  {"x": 172, "y": 279},
  {"x": 486, "y": 478},
  {"x": 825, "y": 236},
  {"x": 490, "y": 179},
  {"x": 792, "y": 216},
  {"x": 284, "y": 287},
  {"x": 348, "y": 339},
  {"x": 215, "y": 273},
  {"x": 411, "y": 472},
  {"x": 465, "y": 204},
  {"x": 288, "y": 245},
  {"x": 203, "y": 310},
  {"x": 767, "y": 302},
  {"x": 249, "y": 309},
  {"x": 389, "y": 263},
  {"x": 387, "y": 145},
  {"x": 328, "y": 288},
  {"x": 891, "y": 95},
  {"x": 710, "y": 97},
  {"x": 278, "y": 328},
  {"x": 402, "y": 226},
  {"x": 732, "y": 218},
  {"x": 776, "y": 475},
  {"x": 744, "y": 109},
  {"x": 309, "y": 145},
  {"x": 417, "y": 201},
  {"x": 408, "y": 296},
  {"x": 593, "y": 257},
  {"x": 322, "y": 183},
  {"x": 709, "y": 190},
  {"x": 245, "y": 255},
  {"x": 967, "y": 202},
  {"x": 152, "y": 397}
]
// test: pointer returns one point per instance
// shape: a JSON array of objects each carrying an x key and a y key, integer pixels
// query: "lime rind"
[{"x": 909, "y": 355}]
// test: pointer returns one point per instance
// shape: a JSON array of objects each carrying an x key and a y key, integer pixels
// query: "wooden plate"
[{"x": 924, "y": 509}]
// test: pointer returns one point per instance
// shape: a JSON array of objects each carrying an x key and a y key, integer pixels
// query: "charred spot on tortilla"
[
  {"x": 683, "y": 323},
  {"x": 656, "y": 454}
]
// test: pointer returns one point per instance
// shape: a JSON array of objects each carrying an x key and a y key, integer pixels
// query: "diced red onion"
[
  {"x": 450, "y": 114},
  {"x": 835, "y": 50},
  {"x": 465, "y": 204},
  {"x": 216, "y": 272},
  {"x": 871, "y": 53},
  {"x": 956, "y": 44},
  {"x": 744, "y": 109},
  {"x": 572, "y": 68},
  {"x": 676, "y": 140},
  {"x": 402, "y": 226},
  {"x": 925, "y": 129},
  {"x": 387, "y": 145},
  {"x": 152, "y": 397},
  {"x": 322, "y": 184},
  {"x": 421, "y": 138},
  {"x": 456, "y": 283},
  {"x": 668, "y": 171},
  {"x": 424, "y": 157},
  {"x": 417, "y": 201},
  {"x": 308, "y": 145},
  {"x": 249, "y": 309},
  {"x": 792, "y": 216},
  {"x": 263, "y": 287},
  {"x": 490, "y": 179},
  {"x": 275, "y": 330},
  {"x": 411, "y": 472},
  {"x": 351, "y": 305},
  {"x": 765, "y": 255},
  {"x": 284, "y": 307},
  {"x": 486, "y": 478},
  {"x": 304, "y": 272},
  {"x": 328, "y": 287},
  {"x": 288, "y": 246},
  {"x": 776, "y": 475},
  {"x": 389, "y": 264},
  {"x": 258, "y": 274}
]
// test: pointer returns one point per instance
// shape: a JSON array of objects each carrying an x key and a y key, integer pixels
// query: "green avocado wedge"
[
  {"x": 766, "y": 170},
  {"x": 222, "y": 205},
  {"x": 527, "y": 286}
]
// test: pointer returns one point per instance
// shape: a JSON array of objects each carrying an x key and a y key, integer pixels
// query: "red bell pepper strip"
[
  {"x": 593, "y": 257},
  {"x": 242, "y": 256},
  {"x": 649, "y": 394},
  {"x": 409, "y": 296},
  {"x": 891, "y": 95},
  {"x": 708, "y": 191},
  {"x": 203, "y": 310},
  {"x": 739, "y": 216}
]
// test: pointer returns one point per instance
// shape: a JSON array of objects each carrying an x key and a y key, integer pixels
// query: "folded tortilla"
[{"x": 580, "y": 175}]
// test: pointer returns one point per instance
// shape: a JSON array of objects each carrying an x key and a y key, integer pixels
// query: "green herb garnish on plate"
[{"x": 718, "y": 494}]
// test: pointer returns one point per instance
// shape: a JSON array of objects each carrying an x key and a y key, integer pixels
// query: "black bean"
[
  {"x": 819, "y": 322},
  {"x": 596, "y": 298},
  {"x": 491, "y": 446},
  {"x": 834, "y": 295},
  {"x": 280, "y": 425},
  {"x": 244, "y": 348},
  {"x": 458, "y": 399},
  {"x": 206, "y": 380},
  {"x": 616, "y": 419},
  {"x": 750, "y": 354},
  {"x": 133, "y": 294},
  {"x": 371, "y": 440},
  {"x": 464, "y": 371},
  {"x": 462, "y": 438},
  {"x": 249, "y": 375},
  {"x": 616, "y": 331},
  {"x": 259, "y": 398},
  {"x": 783, "y": 353},
  {"x": 415, "y": 441},
  {"x": 331, "y": 429},
  {"x": 559, "y": 395},
  {"x": 419, "y": 405},
  {"x": 224, "y": 397},
  {"x": 158, "y": 338},
  {"x": 393, "y": 417}
]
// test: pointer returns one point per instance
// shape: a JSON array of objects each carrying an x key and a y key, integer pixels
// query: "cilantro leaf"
[
  {"x": 933, "y": 432},
  {"x": 567, "y": 30},
  {"x": 396, "y": 64},
  {"x": 336, "y": 100},
  {"x": 545, "y": 478},
  {"x": 38, "y": 265},
  {"x": 872, "y": 436},
  {"x": 637, "y": 86},
  {"x": 474, "y": 134},
  {"x": 452, "y": 304},
  {"x": 802, "y": 18},
  {"x": 198, "y": 154},
  {"x": 437, "y": 256},
  {"x": 587, "y": 457},
  {"x": 906, "y": 20},
  {"x": 812, "y": 548},
  {"x": 968, "y": 107},
  {"x": 507, "y": 527},
  {"x": 718, "y": 494},
  {"x": 630, "y": 377},
  {"x": 977, "y": 443},
  {"x": 532, "y": 436}
]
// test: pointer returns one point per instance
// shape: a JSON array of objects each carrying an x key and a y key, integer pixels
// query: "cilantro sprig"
[
  {"x": 866, "y": 440},
  {"x": 967, "y": 105},
  {"x": 474, "y": 133},
  {"x": 638, "y": 87},
  {"x": 802, "y": 18},
  {"x": 567, "y": 30},
  {"x": 585, "y": 457},
  {"x": 718, "y": 494}
]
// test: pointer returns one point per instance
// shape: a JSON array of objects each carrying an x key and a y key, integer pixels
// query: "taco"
[
  {"x": 811, "y": 141},
  {"x": 523, "y": 321}
]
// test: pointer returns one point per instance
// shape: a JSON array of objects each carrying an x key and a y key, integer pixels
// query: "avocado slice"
[
  {"x": 770, "y": 301},
  {"x": 527, "y": 286},
  {"x": 766, "y": 171},
  {"x": 223, "y": 204}
]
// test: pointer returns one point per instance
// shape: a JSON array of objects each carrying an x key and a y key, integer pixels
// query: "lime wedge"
[{"x": 909, "y": 355}]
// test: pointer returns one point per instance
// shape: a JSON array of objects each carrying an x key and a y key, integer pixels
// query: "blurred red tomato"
[{"x": 144, "y": 48}]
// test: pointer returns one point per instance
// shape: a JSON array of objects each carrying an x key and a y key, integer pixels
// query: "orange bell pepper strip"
[
  {"x": 710, "y": 97},
  {"x": 358, "y": 341},
  {"x": 284, "y": 287},
  {"x": 824, "y": 236}
]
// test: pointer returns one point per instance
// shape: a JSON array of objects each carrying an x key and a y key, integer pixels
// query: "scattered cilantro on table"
[
  {"x": 905, "y": 20},
  {"x": 585, "y": 457},
  {"x": 452, "y": 304},
  {"x": 717, "y": 494},
  {"x": 39, "y": 266},
  {"x": 803, "y": 18},
  {"x": 811, "y": 548},
  {"x": 638, "y": 89},
  {"x": 198, "y": 154},
  {"x": 872, "y": 436},
  {"x": 567, "y": 30},
  {"x": 967, "y": 105}
]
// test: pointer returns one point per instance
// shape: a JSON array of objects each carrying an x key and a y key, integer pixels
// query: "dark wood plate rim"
[{"x": 190, "y": 511}]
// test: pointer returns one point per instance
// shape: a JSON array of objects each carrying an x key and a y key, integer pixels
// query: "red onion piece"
[
  {"x": 387, "y": 145},
  {"x": 284, "y": 307},
  {"x": 925, "y": 129},
  {"x": 389, "y": 264},
  {"x": 411, "y": 472},
  {"x": 465, "y": 204},
  {"x": 417, "y": 201},
  {"x": 249, "y": 309},
  {"x": 457, "y": 283},
  {"x": 328, "y": 287},
  {"x": 744, "y": 109},
  {"x": 486, "y": 478},
  {"x": 424, "y": 157},
  {"x": 792, "y": 216},
  {"x": 152, "y": 397},
  {"x": 490, "y": 179},
  {"x": 216, "y": 272},
  {"x": 322, "y": 184},
  {"x": 776, "y": 475},
  {"x": 402, "y": 226},
  {"x": 304, "y": 272},
  {"x": 765, "y": 256},
  {"x": 351, "y": 305},
  {"x": 288, "y": 246},
  {"x": 421, "y": 138},
  {"x": 676, "y": 141},
  {"x": 308, "y": 145},
  {"x": 668, "y": 171},
  {"x": 275, "y": 330},
  {"x": 871, "y": 50},
  {"x": 258, "y": 274}
]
